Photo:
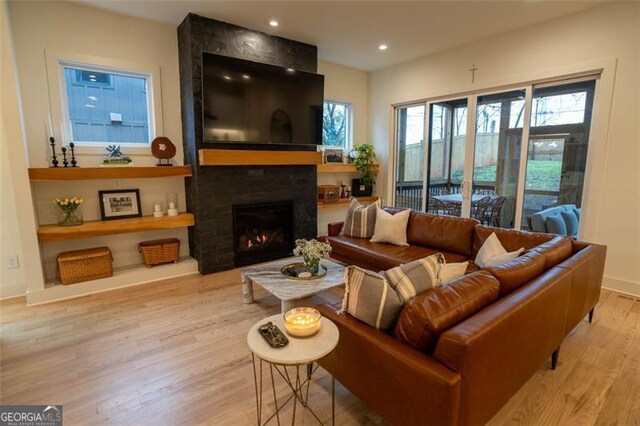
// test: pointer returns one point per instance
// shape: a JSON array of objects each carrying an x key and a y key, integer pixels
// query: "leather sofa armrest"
[
  {"x": 334, "y": 228},
  {"x": 403, "y": 385}
]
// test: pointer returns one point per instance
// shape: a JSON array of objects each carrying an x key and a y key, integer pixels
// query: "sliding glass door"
[
  {"x": 410, "y": 135},
  {"x": 496, "y": 157}
]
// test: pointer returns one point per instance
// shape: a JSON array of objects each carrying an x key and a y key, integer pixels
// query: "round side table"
[{"x": 300, "y": 352}]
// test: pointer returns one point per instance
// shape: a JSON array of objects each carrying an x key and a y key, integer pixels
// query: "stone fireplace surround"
[{"x": 213, "y": 190}]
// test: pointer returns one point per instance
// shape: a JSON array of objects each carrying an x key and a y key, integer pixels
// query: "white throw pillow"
[
  {"x": 492, "y": 252},
  {"x": 391, "y": 228},
  {"x": 450, "y": 271}
]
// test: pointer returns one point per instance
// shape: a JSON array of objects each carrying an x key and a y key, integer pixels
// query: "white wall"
[
  {"x": 17, "y": 226},
  {"x": 602, "y": 33},
  {"x": 347, "y": 85}
]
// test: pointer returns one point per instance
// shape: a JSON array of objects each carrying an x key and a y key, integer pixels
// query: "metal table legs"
[{"x": 298, "y": 384}]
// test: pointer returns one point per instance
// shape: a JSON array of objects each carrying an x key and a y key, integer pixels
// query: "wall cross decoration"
[{"x": 473, "y": 70}]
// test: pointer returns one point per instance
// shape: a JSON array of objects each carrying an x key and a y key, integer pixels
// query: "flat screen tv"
[{"x": 254, "y": 103}]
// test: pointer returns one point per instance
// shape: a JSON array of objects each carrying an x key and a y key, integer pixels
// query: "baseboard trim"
[
  {"x": 621, "y": 286},
  {"x": 12, "y": 291}
]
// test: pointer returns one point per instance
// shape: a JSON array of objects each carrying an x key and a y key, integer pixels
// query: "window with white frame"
[
  {"x": 336, "y": 127},
  {"x": 106, "y": 106}
]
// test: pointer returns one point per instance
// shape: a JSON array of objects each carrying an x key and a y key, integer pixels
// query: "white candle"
[
  {"x": 302, "y": 322},
  {"x": 156, "y": 208},
  {"x": 50, "y": 127},
  {"x": 172, "y": 205}
]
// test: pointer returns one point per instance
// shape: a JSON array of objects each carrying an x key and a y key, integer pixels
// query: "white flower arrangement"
[
  {"x": 311, "y": 249},
  {"x": 68, "y": 204}
]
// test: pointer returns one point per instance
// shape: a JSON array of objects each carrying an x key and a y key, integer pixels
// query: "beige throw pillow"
[
  {"x": 360, "y": 219},
  {"x": 391, "y": 228},
  {"x": 450, "y": 271},
  {"x": 493, "y": 253}
]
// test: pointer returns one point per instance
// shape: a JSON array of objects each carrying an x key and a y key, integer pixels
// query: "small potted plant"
[
  {"x": 312, "y": 251},
  {"x": 69, "y": 216},
  {"x": 364, "y": 162}
]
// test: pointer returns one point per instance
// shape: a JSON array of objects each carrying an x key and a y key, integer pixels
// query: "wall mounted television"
[{"x": 253, "y": 103}]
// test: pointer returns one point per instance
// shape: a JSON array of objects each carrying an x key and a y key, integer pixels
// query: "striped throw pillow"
[
  {"x": 369, "y": 297},
  {"x": 415, "y": 277},
  {"x": 361, "y": 220}
]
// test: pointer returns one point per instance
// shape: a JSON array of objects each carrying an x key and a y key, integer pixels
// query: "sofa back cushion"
[
  {"x": 510, "y": 239},
  {"x": 446, "y": 233},
  {"x": 433, "y": 312},
  {"x": 554, "y": 251},
  {"x": 517, "y": 272}
]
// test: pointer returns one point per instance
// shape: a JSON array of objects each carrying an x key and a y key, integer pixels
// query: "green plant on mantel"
[{"x": 364, "y": 162}]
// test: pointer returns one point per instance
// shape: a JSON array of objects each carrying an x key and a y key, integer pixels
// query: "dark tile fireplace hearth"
[{"x": 262, "y": 232}]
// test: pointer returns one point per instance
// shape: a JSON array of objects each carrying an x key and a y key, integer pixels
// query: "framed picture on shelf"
[
  {"x": 119, "y": 204},
  {"x": 333, "y": 156}
]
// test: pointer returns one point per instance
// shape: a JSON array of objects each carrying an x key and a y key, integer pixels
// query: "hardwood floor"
[{"x": 174, "y": 352}]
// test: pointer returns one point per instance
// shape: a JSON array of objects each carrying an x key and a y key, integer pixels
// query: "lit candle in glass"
[{"x": 302, "y": 322}]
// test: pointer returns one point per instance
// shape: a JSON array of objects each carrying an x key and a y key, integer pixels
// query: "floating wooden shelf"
[
  {"x": 231, "y": 157},
  {"x": 341, "y": 168},
  {"x": 90, "y": 173},
  {"x": 96, "y": 228},
  {"x": 343, "y": 201}
]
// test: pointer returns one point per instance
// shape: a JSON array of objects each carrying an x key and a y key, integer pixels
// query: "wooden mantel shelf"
[
  {"x": 97, "y": 228},
  {"x": 231, "y": 157},
  {"x": 342, "y": 168},
  {"x": 89, "y": 173}
]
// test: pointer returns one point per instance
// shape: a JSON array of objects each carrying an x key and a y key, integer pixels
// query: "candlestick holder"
[
  {"x": 74, "y": 163},
  {"x": 64, "y": 156},
  {"x": 54, "y": 158}
]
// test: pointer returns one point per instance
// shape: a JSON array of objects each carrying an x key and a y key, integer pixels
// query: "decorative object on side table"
[
  {"x": 69, "y": 216},
  {"x": 116, "y": 158},
  {"x": 302, "y": 322},
  {"x": 272, "y": 334},
  {"x": 158, "y": 252},
  {"x": 333, "y": 156},
  {"x": 163, "y": 149},
  {"x": 312, "y": 251},
  {"x": 119, "y": 204},
  {"x": 364, "y": 162},
  {"x": 328, "y": 193}
]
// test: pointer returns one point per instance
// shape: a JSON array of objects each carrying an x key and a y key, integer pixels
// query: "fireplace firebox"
[{"x": 262, "y": 232}]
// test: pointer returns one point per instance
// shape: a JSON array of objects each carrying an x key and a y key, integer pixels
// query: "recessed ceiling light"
[
  {"x": 246, "y": 76},
  {"x": 273, "y": 23},
  {"x": 291, "y": 70},
  {"x": 383, "y": 47},
  {"x": 226, "y": 77}
]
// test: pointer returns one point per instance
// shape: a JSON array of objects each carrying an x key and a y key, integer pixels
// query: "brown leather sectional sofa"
[{"x": 473, "y": 367}]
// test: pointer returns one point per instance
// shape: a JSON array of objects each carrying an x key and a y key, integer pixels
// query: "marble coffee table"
[{"x": 289, "y": 291}]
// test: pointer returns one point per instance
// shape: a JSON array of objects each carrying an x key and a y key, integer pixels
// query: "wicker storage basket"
[
  {"x": 85, "y": 265},
  {"x": 156, "y": 252}
]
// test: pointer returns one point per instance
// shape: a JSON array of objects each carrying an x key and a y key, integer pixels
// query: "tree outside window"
[{"x": 336, "y": 124}]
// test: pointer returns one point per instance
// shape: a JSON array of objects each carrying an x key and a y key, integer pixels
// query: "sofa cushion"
[
  {"x": 433, "y": 312},
  {"x": 556, "y": 225},
  {"x": 554, "y": 251},
  {"x": 571, "y": 222},
  {"x": 444, "y": 233},
  {"x": 391, "y": 228},
  {"x": 381, "y": 256},
  {"x": 369, "y": 297},
  {"x": 517, "y": 272},
  {"x": 510, "y": 239},
  {"x": 360, "y": 220},
  {"x": 412, "y": 278}
]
